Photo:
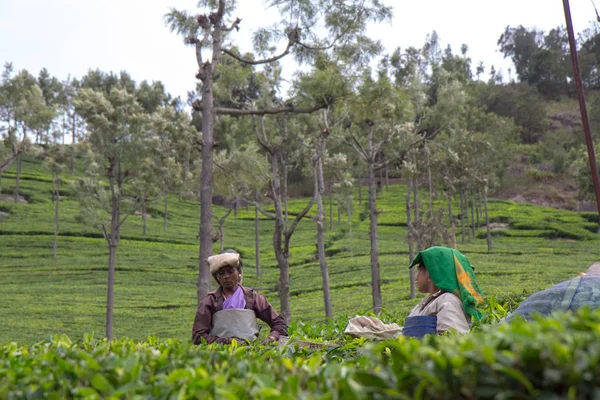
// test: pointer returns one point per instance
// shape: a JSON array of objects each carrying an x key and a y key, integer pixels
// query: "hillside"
[
  {"x": 538, "y": 174},
  {"x": 156, "y": 273}
]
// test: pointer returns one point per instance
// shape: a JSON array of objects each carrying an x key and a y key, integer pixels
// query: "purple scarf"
[{"x": 236, "y": 300}]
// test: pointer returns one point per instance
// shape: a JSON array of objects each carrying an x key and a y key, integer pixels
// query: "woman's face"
[
  {"x": 423, "y": 281},
  {"x": 228, "y": 277}
]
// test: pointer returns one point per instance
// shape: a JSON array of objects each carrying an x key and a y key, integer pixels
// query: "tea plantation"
[{"x": 53, "y": 309}]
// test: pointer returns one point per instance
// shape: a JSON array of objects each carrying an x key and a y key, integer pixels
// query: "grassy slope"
[{"x": 155, "y": 280}]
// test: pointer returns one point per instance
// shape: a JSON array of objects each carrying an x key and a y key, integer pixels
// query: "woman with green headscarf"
[{"x": 453, "y": 294}]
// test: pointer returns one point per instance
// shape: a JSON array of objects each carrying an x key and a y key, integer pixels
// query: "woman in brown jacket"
[{"x": 230, "y": 311}]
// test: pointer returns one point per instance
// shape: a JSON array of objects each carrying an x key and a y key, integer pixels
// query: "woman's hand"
[
  {"x": 238, "y": 340},
  {"x": 269, "y": 339}
]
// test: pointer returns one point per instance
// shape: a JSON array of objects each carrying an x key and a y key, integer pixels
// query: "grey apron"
[{"x": 235, "y": 322}]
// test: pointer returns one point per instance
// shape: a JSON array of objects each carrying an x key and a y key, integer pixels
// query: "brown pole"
[{"x": 582, "y": 106}]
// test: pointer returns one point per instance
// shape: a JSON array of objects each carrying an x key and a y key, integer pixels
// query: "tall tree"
[
  {"x": 11, "y": 147},
  {"x": 303, "y": 28},
  {"x": 56, "y": 163},
  {"x": 240, "y": 173},
  {"x": 378, "y": 118},
  {"x": 70, "y": 122},
  {"x": 319, "y": 189},
  {"x": 589, "y": 56},
  {"x": 174, "y": 131},
  {"x": 118, "y": 149},
  {"x": 30, "y": 113},
  {"x": 541, "y": 59},
  {"x": 282, "y": 234},
  {"x": 53, "y": 95}
]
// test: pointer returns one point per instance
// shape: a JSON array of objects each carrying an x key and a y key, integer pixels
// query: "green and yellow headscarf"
[{"x": 451, "y": 271}]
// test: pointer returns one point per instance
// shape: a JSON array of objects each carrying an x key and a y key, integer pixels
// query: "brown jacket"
[{"x": 213, "y": 302}]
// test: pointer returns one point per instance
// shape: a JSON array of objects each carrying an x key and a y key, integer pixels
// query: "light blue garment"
[{"x": 583, "y": 291}]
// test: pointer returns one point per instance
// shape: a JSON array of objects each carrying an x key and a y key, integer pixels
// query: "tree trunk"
[
  {"x": 285, "y": 193},
  {"x": 144, "y": 219},
  {"x": 64, "y": 128},
  {"x": 462, "y": 217},
  {"x": 349, "y": 204},
  {"x": 319, "y": 189},
  {"x": 112, "y": 237},
  {"x": 284, "y": 285},
  {"x": 387, "y": 178},
  {"x": 257, "y": 243},
  {"x": 112, "y": 251},
  {"x": 415, "y": 190},
  {"x": 478, "y": 208},
  {"x": 466, "y": 214},
  {"x": 56, "y": 222},
  {"x": 222, "y": 229},
  {"x": 18, "y": 177},
  {"x": 359, "y": 192},
  {"x": 330, "y": 206},
  {"x": 449, "y": 202},
  {"x": 337, "y": 206},
  {"x": 473, "y": 215},
  {"x": 206, "y": 186},
  {"x": 411, "y": 254},
  {"x": 430, "y": 182},
  {"x": 165, "y": 213},
  {"x": 487, "y": 220},
  {"x": 375, "y": 273},
  {"x": 451, "y": 220},
  {"x": 278, "y": 232},
  {"x": 221, "y": 235},
  {"x": 375, "y": 270},
  {"x": 72, "y": 145}
]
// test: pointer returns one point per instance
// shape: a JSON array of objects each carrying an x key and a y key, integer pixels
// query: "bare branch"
[
  {"x": 264, "y": 61},
  {"x": 379, "y": 166},
  {"x": 434, "y": 134},
  {"x": 292, "y": 228},
  {"x": 7, "y": 163},
  {"x": 216, "y": 35},
  {"x": 268, "y": 111},
  {"x": 102, "y": 229},
  {"x": 201, "y": 72},
  {"x": 355, "y": 144},
  {"x": 235, "y": 25},
  {"x": 260, "y": 209},
  {"x": 219, "y": 166},
  {"x": 338, "y": 37},
  {"x": 260, "y": 142},
  {"x": 136, "y": 208},
  {"x": 387, "y": 140},
  {"x": 262, "y": 127},
  {"x": 224, "y": 216}
]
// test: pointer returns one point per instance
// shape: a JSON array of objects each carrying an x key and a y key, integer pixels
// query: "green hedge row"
[{"x": 551, "y": 358}]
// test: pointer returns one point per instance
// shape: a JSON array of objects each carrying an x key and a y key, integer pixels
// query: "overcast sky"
[{"x": 73, "y": 36}]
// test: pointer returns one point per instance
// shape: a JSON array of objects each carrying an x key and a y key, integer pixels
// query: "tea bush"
[{"x": 557, "y": 357}]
